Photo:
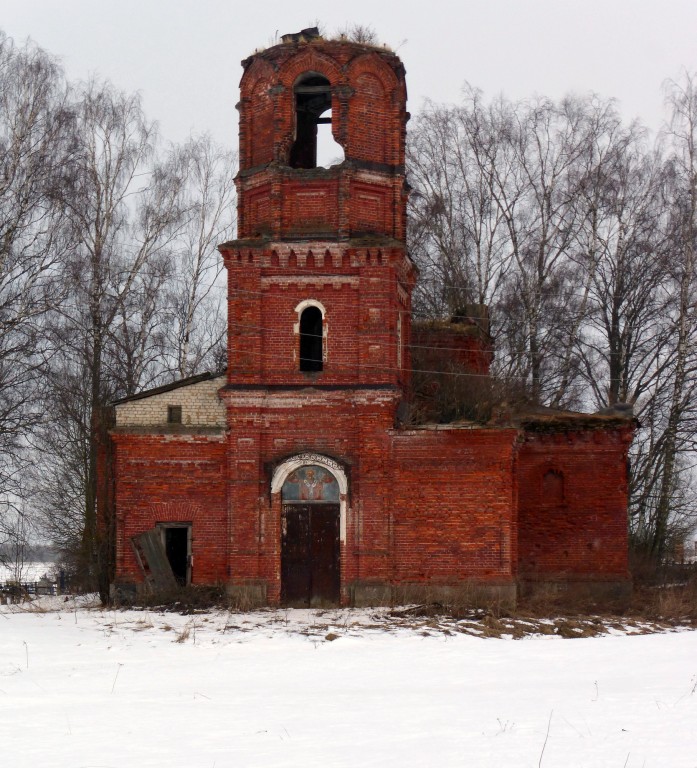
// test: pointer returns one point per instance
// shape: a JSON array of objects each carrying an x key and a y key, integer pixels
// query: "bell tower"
[
  {"x": 319, "y": 303},
  {"x": 319, "y": 279}
]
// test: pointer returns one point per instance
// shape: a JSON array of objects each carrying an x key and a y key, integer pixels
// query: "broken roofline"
[{"x": 199, "y": 377}]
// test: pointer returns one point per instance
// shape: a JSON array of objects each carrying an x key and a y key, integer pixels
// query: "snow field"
[
  {"x": 87, "y": 688},
  {"x": 32, "y": 571}
]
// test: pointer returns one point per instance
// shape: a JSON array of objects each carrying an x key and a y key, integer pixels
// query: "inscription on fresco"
[{"x": 317, "y": 458}]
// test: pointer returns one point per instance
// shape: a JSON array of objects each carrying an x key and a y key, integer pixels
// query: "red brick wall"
[
  {"x": 168, "y": 478},
  {"x": 364, "y": 195},
  {"x": 340, "y": 202},
  {"x": 453, "y": 496},
  {"x": 348, "y": 426},
  {"x": 261, "y": 123},
  {"x": 440, "y": 346},
  {"x": 364, "y": 291},
  {"x": 431, "y": 507},
  {"x": 573, "y": 503}
]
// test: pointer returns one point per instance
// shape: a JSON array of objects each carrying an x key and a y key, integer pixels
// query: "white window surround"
[
  {"x": 304, "y": 304},
  {"x": 294, "y": 463}
]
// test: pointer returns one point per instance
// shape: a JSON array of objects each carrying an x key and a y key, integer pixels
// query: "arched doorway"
[{"x": 310, "y": 536}]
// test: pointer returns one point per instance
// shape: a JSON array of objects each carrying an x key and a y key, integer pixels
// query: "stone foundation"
[
  {"x": 251, "y": 594},
  {"x": 464, "y": 594},
  {"x": 614, "y": 593}
]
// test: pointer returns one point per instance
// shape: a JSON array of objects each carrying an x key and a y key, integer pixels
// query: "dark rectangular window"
[{"x": 174, "y": 414}]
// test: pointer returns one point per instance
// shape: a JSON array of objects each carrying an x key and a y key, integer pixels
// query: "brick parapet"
[{"x": 444, "y": 346}]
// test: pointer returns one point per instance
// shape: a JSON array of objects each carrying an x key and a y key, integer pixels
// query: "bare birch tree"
[
  {"x": 497, "y": 216},
  {"x": 458, "y": 234},
  {"x": 582, "y": 242},
  {"x": 197, "y": 317},
  {"x": 35, "y": 146},
  {"x": 145, "y": 300},
  {"x": 124, "y": 212},
  {"x": 623, "y": 245},
  {"x": 680, "y": 388}
]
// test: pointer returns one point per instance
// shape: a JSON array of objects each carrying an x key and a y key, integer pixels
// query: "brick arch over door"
[
  {"x": 294, "y": 463},
  {"x": 176, "y": 511}
]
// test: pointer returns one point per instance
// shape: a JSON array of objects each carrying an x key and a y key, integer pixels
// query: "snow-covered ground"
[{"x": 82, "y": 687}]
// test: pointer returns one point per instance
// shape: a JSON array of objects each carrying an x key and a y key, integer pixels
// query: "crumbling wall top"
[{"x": 341, "y": 50}]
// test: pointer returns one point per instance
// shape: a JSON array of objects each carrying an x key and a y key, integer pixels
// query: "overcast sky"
[{"x": 184, "y": 56}]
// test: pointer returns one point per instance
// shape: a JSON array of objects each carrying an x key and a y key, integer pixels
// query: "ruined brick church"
[{"x": 292, "y": 478}]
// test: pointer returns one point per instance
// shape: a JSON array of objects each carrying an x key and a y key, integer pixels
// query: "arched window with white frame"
[{"x": 312, "y": 331}]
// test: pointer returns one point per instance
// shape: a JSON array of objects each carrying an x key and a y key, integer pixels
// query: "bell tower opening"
[{"x": 313, "y": 98}]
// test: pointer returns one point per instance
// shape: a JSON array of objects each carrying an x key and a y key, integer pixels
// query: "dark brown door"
[
  {"x": 295, "y": 554},
  {"x": 310, "y": 554}
]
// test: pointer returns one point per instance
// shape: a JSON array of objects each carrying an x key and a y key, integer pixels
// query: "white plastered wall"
[{"x": 200, "y": 404}]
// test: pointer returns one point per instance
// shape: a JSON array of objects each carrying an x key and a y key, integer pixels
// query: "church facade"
[{"x": 293, "y": 478}]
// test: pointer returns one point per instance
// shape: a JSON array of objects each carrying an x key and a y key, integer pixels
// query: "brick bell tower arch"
[{"x": 319, "y": 299}]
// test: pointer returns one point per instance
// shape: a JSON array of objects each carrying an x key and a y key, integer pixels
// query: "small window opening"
[
  {"x": 311, "y": 339},
  {"x": 312, "y": 99},
  {"x": 174, "y": 414}
]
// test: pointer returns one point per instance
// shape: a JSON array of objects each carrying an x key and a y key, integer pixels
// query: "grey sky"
[{"x": 184, "y": 56}]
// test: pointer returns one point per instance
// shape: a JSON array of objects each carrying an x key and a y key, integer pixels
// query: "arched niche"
[
  {"x": 256, "y": 114},
  {"x": 376, "y": 107}
]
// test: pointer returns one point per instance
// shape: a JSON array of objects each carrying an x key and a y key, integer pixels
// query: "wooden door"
[{"x": 310, "y": 554}]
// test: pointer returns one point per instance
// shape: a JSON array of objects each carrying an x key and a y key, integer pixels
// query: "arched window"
[
  {"x": 312, "y": 99},
  {"x": 311, "y": 339}
]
